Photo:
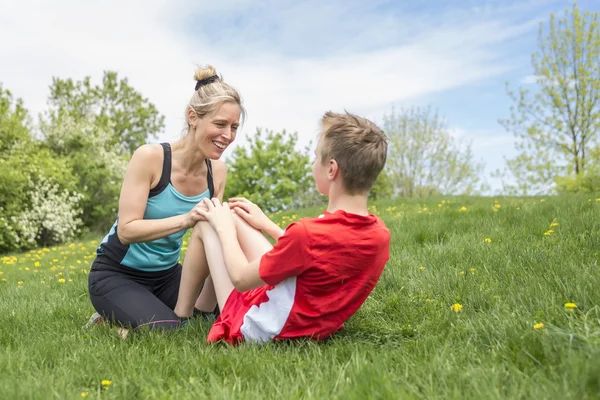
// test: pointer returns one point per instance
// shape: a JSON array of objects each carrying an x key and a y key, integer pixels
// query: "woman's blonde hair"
[{"x": 211, "y": 92}]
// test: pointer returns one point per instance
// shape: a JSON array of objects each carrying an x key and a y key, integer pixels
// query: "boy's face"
[{"x": 320, "y": 170}]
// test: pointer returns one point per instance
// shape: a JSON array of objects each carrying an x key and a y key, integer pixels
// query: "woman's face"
[{"x": 217, "y": 131}]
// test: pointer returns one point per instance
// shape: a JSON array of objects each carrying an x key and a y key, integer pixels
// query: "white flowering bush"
[
  {"x": 52, "y": 218},
  {"x": 24, "y": 171}
]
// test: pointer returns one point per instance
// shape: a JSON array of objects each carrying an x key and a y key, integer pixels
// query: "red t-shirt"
[{"x": 318, "y": 275}]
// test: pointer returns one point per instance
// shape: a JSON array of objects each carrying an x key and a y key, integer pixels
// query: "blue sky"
[{"x": 291, "y": 60}]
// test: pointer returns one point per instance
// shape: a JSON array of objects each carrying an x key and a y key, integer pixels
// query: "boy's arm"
[{"x": 273, "y": 230}]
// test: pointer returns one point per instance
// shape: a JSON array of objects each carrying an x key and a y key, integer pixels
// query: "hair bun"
[{"x": 204, "y": 72}]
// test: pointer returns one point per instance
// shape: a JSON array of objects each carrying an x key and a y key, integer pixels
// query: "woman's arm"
[{"x": 132, "y": 228}]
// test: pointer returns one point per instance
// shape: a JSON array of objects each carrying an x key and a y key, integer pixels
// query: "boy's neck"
[{"x": 353, "y": 204}]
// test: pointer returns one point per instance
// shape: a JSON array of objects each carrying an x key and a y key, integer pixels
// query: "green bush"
[{"x": 271, "y": 172}]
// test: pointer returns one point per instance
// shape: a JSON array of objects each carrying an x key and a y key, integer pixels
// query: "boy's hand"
[
  {"x": 218, "y": 215},
  {"x": 250, "y": 212}
]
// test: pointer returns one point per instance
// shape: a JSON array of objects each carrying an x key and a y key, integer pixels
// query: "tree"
[
  {"x": 557, "y": 126},
  {"x": 270, "y": 171},
  {"x": 98, "y": 166},
  {"x": 424, "y": 159},
  {"x": 383, "y": 187},
  {"x": 115, "y": 105},
  {"x": 14, "y": 121}
]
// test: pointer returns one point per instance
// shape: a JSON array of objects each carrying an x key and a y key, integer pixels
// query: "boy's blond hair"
[{"x": 357, "y": 145}]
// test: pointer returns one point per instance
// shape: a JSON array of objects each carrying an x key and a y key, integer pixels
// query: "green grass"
[{"x": 405, "y": 342}]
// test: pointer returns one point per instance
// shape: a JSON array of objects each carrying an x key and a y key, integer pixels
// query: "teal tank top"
[{"x": 164, "y": 201}]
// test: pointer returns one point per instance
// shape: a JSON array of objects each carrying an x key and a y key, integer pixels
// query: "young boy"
[{"x": 319, "y": 272}]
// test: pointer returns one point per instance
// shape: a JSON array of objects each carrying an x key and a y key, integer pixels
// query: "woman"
[{"x": 135, "y": 279}]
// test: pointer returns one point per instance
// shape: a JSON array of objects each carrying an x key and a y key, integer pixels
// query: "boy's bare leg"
[
  {"x": 253, "y": 243},
  {"x": 194, "y": 274},
  {"x": 216, "y": 263}
]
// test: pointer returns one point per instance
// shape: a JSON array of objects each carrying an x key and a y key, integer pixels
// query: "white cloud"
[
  {"x": 150, "y": 43},
  {"x": 530, "y": 79}
]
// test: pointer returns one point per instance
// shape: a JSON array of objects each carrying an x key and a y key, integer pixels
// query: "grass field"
[{"x": 482, "y": 298}]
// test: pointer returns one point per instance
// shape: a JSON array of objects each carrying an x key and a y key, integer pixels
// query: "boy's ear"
[{"x": 333, "y": 170}]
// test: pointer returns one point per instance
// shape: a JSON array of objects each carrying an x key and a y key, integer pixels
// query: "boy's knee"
[{"x": 199, "y": 229}]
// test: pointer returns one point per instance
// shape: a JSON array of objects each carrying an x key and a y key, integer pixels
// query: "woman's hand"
[
  {"x": 194, "y": 215},
  {"x": 218, "y": 215},
  {"x": 250, "y": 212}
]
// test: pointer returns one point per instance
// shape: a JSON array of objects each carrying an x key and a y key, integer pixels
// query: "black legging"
[{"x": 134, "y": 298}]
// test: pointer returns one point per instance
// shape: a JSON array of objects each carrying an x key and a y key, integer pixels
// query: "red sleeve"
[{"x": 287, "y": 258}]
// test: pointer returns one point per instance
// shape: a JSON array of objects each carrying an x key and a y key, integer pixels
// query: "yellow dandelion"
[
  {"x": 45, "y": 249},
  {"x": 422, "y": 268},
  {"x": 487, "y": 240},
  {"x": 26, "y": 268},
  {"x": 463, "y": 208},
  {"x": 456, "y": 307},
  {"x": 21, "y": 282},
  {"x": 461, "y": 273},
  {"x": 539, "y": 325},
  {"x": 552, "y": 225},
  {"x": 473, "y": 270},
  {"x": 427, "y": 300},
  {"x": 598, "y": 199},
  {"x": 425, "y": 209},
  {"x": 84, "y": 394},
  {"x": 106, "y": 382},
  {"x": 1, "y": 273},
  {"x": 548, "y": 232},
  {"x": 570, "y": 305},
  {"x": 61, "y": 280},
  {"x": 498, "y": 206},
  {"x": 36, "y": 264},
  {"x": 3, "y": 279}
]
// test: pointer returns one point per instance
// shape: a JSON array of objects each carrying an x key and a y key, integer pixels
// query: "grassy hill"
[{"x": 482, "y": 298}]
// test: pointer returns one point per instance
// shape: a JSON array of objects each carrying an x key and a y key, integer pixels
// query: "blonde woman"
[{"x": 135, "y": 278}]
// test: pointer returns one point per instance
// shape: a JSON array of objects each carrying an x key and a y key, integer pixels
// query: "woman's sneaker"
[{"x": 95, "y": 319}]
